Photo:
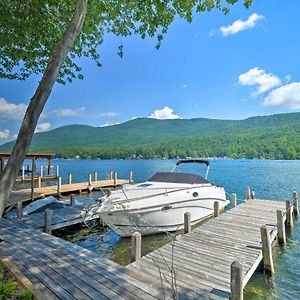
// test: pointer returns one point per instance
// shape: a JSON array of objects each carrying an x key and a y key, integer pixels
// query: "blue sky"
[{"x": 229, "y": 67}]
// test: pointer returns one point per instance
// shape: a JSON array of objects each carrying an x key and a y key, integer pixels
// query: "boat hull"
[{"x": 159, "y": 218}]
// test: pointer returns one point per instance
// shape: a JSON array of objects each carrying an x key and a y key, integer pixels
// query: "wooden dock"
[
  {"x": 59, "y": 218},
  {"x": 52, "y": 268},
  {"x": 59, "y": 189},
  {"x": 214, "y": 261},
  {"x": 28, "y": 179},
  {"x": 202, "y": 260}
]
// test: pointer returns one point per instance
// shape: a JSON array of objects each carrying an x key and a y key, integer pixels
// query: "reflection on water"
[{"x": 109, "y": 244}]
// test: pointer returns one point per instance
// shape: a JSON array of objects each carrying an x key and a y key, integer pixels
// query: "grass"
[{"x": 10, "y": 289}]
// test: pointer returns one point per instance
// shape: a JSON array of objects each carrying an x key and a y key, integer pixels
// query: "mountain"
[{"x": 275, "y": 136}]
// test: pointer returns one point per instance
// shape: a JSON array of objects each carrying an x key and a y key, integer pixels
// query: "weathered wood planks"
[
  {"x": 202, "y": 259},
  {"x": 25, "y": 194}
]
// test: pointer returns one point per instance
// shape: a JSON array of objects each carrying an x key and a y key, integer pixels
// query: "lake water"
[{"x": 269, "y": 179}]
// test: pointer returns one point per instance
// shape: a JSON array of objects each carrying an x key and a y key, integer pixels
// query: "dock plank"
[
  {"x": 203, "y": 257},
  {"x": 193, "y": 266}
]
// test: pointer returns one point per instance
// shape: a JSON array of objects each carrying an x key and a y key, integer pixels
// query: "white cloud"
[
  {"x": 259, "y": 78},
  {"x": 184, "y": 85},
  {"x": 287, "y": 78},
  {"x": 43, "y": 127},
  {"x": 11, "y": 111},
  {"x": 241, "y": 25},
  {"x": 285, "y": 96},
  {"x": 64, "y": 112},
  {"x": 109, "y": 124},
  {"x": 77, "y": 112},
  {"x": 4, "y": 134},
  {"x": 164, "y": 113},
  {"x": 105, "y": 114}
]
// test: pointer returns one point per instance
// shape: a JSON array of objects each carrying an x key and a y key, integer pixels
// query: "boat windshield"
[{"x": 177, "y": 178}]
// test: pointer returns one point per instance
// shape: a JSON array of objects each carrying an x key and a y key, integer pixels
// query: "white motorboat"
[{"x": 159, "y": 204}]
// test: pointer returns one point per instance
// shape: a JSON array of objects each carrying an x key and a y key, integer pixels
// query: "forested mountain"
[{"x": 274, "y": 137}]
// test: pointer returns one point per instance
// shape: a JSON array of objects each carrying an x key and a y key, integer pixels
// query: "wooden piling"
[
  {"x": 110, "y": 176},
  {"x": 115, "y": 178},
  {"x": 48, "y": 221},
  {"x": 49, "y": 166},
  {"x": 253, "y": 195},
  {"x": 57, "y": 171},
  {"x": 130, "y": 177},
  {"x": 39, "y": 181},
  {"x": 72, "y": 200},
  {"x": 248, "y": 193},
  {"x": 267, "y": 250},
  {"x": 280, "y": 228},
  {"x": 289, "y": 213},
  {"x": 136, "y": 246},
  {"x": 59, "y": 186},
  {"x": 187, "y": 222},
  {"x": 69, "y": 178},
  {"x": 23, "y": 173},
  {"x": 33, "y": 167},
  {"x": 42, "y": 171},
  {"x": 90, "y": 180},
  {"x": 295, "y": 204},
  {"x": 233, "y": 200},
  {"x": 236, "y": 281},
  {"x": 216, "y": 209},
  {"x": 2, "y": 164},
  {"x": 95, "y": 176},
  {"x": 19, "y": 210}
]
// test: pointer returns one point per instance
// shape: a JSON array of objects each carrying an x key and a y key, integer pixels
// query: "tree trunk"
[{"x": 38, "y": 101}]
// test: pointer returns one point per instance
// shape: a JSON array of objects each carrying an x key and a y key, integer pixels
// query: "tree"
[{"x": 47, "y": 37}]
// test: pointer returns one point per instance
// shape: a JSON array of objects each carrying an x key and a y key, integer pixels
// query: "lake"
[{"x": 269, "y": 179}]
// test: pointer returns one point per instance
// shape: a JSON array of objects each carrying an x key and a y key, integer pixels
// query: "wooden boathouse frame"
[{"x": 29, "y": 156}]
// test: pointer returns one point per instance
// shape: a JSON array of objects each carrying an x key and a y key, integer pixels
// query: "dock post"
[
  {"x": 295, "y": 205},
  {"x": 23, "y": 173},
  {"x": 39, "y": 181},
  {"x": 236, "y": 281},
  {"x": 110, "y": 176},
  {"x": 1, "y": 164},
  {"x": 90, "y": 180},
  {"x": 253, "y": 195},
  {"x": 280, "y": 228},
  {"x": 95, "y": 176},
  {"x": 57, "y": 171},
  {"x": 289, "y": 214},
  {"x": 136, "y": 246},
  {"x": 130, "y": 177},
  {"x": 233, "y": 200},
  {"x": 115, "y": 178},
  {"x": 72, "y": 200},
  {"x": 59, "y": 186},
  {"x": 42, "y": 171},
  {"x": 267, "y": 250},
  {"x": 187, "y": 222},
  {"x": 248, "y": 193},
  {"x": 69, "y": 178},
  {"x": 33, "y": 168},
  {"x": 48, "y": 221},
  {"x": 216, "y": 209},
  {"x": 19, "y": 210}
]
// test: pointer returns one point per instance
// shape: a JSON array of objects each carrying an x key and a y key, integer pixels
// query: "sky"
[{"x": 220, "y": 66}]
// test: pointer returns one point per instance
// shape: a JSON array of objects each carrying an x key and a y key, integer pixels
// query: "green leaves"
[{"x": 29, "y": 30}]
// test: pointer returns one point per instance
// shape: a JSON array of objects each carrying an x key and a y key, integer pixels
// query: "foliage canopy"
[{"x": 30, "y": 29}]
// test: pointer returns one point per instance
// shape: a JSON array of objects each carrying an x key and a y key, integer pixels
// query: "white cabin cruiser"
[{"x": 159, "y": 204}]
